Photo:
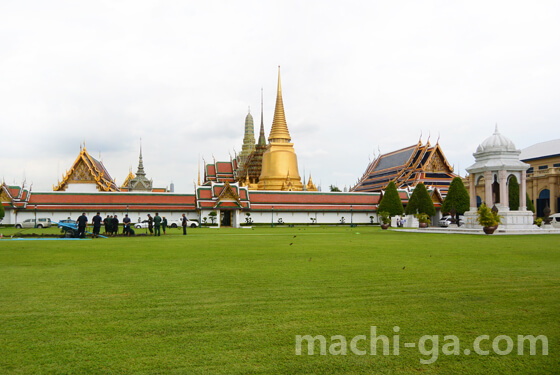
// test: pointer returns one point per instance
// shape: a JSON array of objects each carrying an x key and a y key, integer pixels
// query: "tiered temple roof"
[
  {"x": 407, "y": 167},
  {"x": 14, "y": 196},
  {"x": 220, "y": 171},
  {"x": 87, "y": 169}
]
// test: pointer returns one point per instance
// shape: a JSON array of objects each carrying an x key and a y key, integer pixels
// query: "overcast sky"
[{"x": 357, "y": 76}]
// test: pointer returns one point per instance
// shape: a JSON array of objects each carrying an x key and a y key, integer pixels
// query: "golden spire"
[
  {"x": 279, "y": 131},
  {"x": 198, "y": 170}
]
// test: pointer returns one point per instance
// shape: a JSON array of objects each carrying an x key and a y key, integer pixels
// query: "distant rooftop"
[{"x": 541, "y": 150}]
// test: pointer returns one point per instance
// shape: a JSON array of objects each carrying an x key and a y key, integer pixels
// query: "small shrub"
[{"x": 486, "y": 217}]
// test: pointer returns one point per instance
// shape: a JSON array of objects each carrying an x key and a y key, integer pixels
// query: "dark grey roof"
[{"x": 395, "y": 159}]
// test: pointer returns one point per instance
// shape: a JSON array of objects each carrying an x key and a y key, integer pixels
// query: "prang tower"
[{"x": 279, "y": 165}]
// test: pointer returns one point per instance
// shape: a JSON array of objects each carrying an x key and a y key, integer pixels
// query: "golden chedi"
[{"x": 279, "y": 163}]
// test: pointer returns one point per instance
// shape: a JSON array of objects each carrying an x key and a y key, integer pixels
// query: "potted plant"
[
  {"x": 385, "y": 219},
  {"x": 488, "y": 218},
  {"x": 539, "y": 221},
  {"x": 424, "y": 220}
]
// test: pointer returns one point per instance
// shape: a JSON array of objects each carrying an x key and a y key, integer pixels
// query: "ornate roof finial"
[{"x": 496, "y": 129}]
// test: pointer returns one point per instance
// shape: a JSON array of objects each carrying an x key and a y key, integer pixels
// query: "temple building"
[
  {"x": 543, "y": 175},
  {"x": 408, "y": 167},
  {"x": 263, "y": 166},
  {"x": 86, "y": 175}
]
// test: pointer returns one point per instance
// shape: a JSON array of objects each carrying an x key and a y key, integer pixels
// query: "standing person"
[
  {"x": 110, "y": 222},
  {"x": 184, "y": 222},
  {"x": 82, "y": 222},
  {"x": 96, "y": 225},
  {"x": 164, "y": 225},
  {"x": 106, "y": 223},
  {"x": 151, "y": 224},
  {"x": 115, "y": 225},
  {"x": 157, "y": 222},
  {"x": 126, "y": 225}
]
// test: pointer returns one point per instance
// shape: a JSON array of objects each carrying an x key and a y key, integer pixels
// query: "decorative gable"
[
  {"x": 4, "y": 196},
  {"x": 87, "y": 170},
  {"x": 228, "y": 198}
]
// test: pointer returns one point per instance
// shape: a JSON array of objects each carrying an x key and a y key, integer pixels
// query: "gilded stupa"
[{"x": 279, "y": 165}]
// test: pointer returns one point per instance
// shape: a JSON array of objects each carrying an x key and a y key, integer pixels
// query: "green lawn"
[{"x": 232, "y": 301}]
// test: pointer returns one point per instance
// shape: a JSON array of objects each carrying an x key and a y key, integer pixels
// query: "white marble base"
[{"x": 511, "y": 220}]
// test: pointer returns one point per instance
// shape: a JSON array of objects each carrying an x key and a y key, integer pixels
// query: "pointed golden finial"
[
  {"x": 198, "y": 170},
  {"x": 279, "y": 131}
]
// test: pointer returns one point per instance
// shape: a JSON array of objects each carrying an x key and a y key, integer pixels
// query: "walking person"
[
  {"x": 164, "y": 224},
  {"x": 97, "y": 219},
  {"x": 82, "y": 222},
  {"x": 184, "y": 222},
  {"x": 115, "y": 225},
  {"x": 157, "y": 222},
  {"x": 151, "y": 224}
]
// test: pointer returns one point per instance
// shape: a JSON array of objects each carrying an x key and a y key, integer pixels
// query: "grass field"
[{"x": 232, "y": 301}]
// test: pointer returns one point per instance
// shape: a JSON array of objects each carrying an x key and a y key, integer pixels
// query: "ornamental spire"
[
  {"x": 140, "y": 171},
  {"x": 262, "y": 136},
  {"x": 279, "y": 131}
]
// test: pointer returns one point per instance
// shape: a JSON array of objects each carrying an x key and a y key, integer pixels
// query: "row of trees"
[{"x": 457, "y": 198}]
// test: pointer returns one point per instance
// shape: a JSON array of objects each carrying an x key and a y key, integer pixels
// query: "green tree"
[
  {"x": 420, "y": 202},
  {"x": 334, "y": 188},
  {"x": 530, "y": 205},
  {"x": 2, "y": 212},
  {"x": 457, "y": 198},
  {"x": 513, "y": 194},
  {"x": 391, "y": 202}
]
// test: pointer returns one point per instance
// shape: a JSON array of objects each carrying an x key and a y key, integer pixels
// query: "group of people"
[
  {"x": 158, "y": 222},
  {"x": 111, "y": 224}
]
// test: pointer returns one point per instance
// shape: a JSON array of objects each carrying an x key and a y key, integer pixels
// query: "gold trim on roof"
[{"x": 83, "y": 170}]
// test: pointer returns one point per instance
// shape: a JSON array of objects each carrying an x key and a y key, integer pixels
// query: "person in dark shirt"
[
  {"x": 157, "y": 222},
  {"x": 82, "y": 222},
  {"x": 96, "y": 225},
  {"x": 126, "y": 225},
  {"x": 110, "y": 224},
  {"x": 106, "y": 224},
  {"x": 184, "y": 221},
  {"x": 151, "y": 224},
  {"x": 164, "y": 224},
  {"x": 115, "y": 225}
]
